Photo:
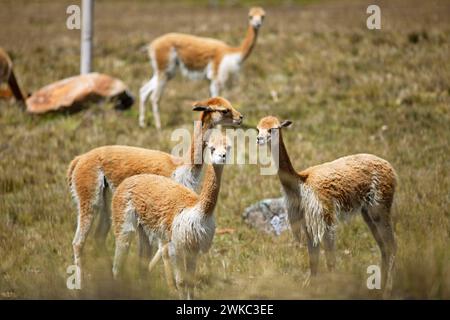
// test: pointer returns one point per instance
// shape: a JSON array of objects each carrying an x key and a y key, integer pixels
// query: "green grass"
[{"x": 347, "y": 90}]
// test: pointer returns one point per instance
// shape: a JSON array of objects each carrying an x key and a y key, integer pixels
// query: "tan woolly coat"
[
  {"x": 120, "y": 162},
  {"x": 196, "y": 53},
  {"x": 322, "y": 192},
  {"x": 156, "y": 199},
  {"x": 352, "y": 181},
  {"x": 156, "y": 202}
]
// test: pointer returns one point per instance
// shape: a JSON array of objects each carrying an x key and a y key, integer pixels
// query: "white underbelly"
[{"x": 199, "y": 74}]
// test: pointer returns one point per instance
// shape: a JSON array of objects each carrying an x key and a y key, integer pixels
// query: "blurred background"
[{"x": 347, "y": 90}]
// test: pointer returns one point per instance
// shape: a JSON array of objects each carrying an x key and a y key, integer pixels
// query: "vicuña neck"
[
  {"x": 247, "y": 45},
  {"x": 286, "y": 171},
  {"x": 201, "y": 134},
  {"x": 15, "y": 88},
  {"x": 211, "y": 188}
]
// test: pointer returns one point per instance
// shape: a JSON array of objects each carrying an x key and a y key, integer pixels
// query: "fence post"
[{"x": 87, "y": 30}]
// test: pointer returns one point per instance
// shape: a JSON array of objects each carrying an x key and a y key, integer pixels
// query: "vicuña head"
[
  {"x": 218, "y": 148},
  {"x": 267, "y": 126},
  {"x": 256, "y": 17},
  {"x": 218, "y": 110}
]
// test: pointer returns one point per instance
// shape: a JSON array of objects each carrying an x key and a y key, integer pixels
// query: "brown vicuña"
[
  {"x": 197, "y": 58},
  {"x": 172, "y": 212},
  {"x": 317, "y": 196},
  {"x": 93, "y": 175}
]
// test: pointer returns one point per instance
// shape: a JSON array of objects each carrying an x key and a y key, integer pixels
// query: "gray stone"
[{"x": 268, "y": 215}]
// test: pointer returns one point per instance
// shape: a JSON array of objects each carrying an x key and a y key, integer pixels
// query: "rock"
[
  {"x": 268, "y": 215},
  {"x": 73, "y": 92}
]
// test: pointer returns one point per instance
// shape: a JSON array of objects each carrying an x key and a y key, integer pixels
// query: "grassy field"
[{"x": 347, "y": 89}]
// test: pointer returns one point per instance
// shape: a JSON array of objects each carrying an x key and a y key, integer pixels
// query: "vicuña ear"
[
  {"x": 196, "y": 107},
  {"x": 285, "y": 123}
]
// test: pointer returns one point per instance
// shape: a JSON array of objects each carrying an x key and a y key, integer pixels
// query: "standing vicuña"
[
  {"x": 173, "y": 212},
  {"x": 198, "y": 58},
  {"x": 318, "y": 195},
  {"x": 93, "y": 175}
]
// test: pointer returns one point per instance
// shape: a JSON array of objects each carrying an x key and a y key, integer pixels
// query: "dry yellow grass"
[{"x": 346, "y": 88}]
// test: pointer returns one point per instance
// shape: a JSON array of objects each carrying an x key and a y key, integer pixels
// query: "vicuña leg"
[
  {"x": 84, "y": 196},
  {"x": 85, "y": 218},
  {"x": 386, "y": 231},
  {"x": 314, "y": 252},
  {"x": 191, "y": 265},
  {"x": 329, "y": 242},
  {"x": 104, "y": 223},
  {"x": 185, "y": 264},
  {"x": 144, "y": 249},
  {"x": 156, "y": 97},
  {"x": 168, "y": 267},
  {"x": 179, "y": 267},
  {"x": 122, "y": 247},
  {"x": 296, "y": 222},
  {"x": 144, "y": 93},
  {"x": 214, "y": 88},
  {"x": 379, "y": 221}
]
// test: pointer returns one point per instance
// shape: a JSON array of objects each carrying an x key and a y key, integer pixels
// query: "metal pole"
[{"x": 87, "y": 30}]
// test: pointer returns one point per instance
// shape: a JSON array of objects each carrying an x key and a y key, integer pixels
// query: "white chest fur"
[
  {"x": 304, "y": 205},
  {"x": 193, "y": 231},
  {"x": 230, "y": 64}
]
